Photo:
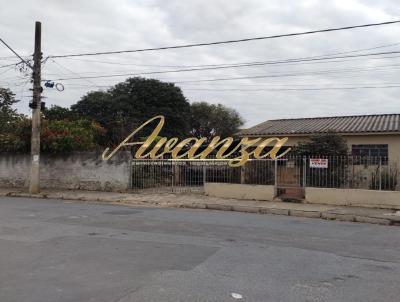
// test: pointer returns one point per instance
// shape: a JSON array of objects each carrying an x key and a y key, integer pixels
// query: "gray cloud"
[{"x": 87, "y": 26}]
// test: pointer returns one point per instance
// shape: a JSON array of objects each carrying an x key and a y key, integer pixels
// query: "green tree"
[
  {"x": 8, "y": 116},
  {"x": 7, "y": 98},
  {"x": 66, "y": 136},
  {"x": 12, "y": 124},
  {"x": 208, "y": 120},
  {"x": 60, "y": 132},
  {"x": 58, "y": 113},
  {"x": 95, "y": 105},
  {"x": 327, "y": 144},
  {"x": 128, "y": 104}
]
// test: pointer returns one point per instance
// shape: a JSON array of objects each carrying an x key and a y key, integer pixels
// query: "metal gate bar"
[{"x": 288, "y": 175}]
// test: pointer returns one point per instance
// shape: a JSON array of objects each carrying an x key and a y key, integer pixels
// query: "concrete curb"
[
  {"x": 341, "y": 213},
  {"x": 295, "y": 213}
]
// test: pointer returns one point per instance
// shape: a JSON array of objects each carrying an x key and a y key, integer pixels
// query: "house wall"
[
  {"x": 393, "y": 142},
  {"x": 84, "y": 170}
]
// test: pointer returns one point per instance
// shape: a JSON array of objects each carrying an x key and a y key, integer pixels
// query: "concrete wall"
[
  {"x": 338, "y": 197},
  {"x": 239, "y": 191},
  {"x": 354, "y": 197},
  {"x": 84, "y": 170}
]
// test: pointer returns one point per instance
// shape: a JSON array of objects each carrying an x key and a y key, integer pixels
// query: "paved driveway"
[{"x": 62, "y": 251}]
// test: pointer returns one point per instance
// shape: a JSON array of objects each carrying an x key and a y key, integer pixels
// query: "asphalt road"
[{"x": 66, "y": 251}]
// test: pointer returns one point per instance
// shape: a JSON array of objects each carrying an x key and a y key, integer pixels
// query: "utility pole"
[{"x": 34, "y": 185}]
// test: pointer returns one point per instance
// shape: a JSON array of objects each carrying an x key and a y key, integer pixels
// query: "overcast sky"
[{"x": 90, "y": 26}]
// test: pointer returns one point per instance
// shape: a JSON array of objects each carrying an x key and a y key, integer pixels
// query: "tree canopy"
[
  {"x": 208, "y": 120},
  {"x": 12, "y": 124},
  {"x": 128, "y": 104},
  {"x": 58, "y": 113},
  {"x": 104, "y": 118},
  {"x": 8, "y": 115},
  {"x": 327, "y": 144},
  {"x": 6, "y": 98}
]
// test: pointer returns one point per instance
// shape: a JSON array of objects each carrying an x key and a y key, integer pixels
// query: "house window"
[{"x": 372, "y": 151}]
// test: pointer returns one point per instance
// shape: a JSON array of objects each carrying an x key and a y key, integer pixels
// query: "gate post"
[
  {"x": 243, "y": 174},
  {"x": 130, "y": 163},
  {"x": 304, "y": 172}
]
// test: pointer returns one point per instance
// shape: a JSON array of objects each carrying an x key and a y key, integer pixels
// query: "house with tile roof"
[{"x": 366, "y": 135}]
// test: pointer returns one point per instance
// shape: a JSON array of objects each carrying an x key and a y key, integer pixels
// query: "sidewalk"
[{"x": 199, "y": 201}]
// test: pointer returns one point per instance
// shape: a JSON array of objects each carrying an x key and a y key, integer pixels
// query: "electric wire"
[
  {"x": 237, "y": 63},
  {"x": 73, "y": 72},
  {"x": 220, "y": 67},
  {"x": 14, "y": 52},
  {"x": 228, "y": 41}
]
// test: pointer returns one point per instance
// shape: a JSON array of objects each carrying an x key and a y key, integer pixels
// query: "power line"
[
  {"x": 227, "y": 41},
  {"x": 331, "y": 71},
  {"x": 7, "y": 58},
  {"x": 297, "y": 89},
  {"x": 7, "y": 70},
  {"x": 140, "y": 65},
  {"x": 225, "y": 64},
  {"x": 275, "y": 89},
  {"x": 8, "y": 65},
  {"x": 14, "y": 52},
  {"x": 273, "y": 76},
  {"x": 73, "y": 72},
  {"x": 14, "y": 84},
  {"x": 328, "y": 72},
  {"x": 12, "y": 57},
  {"x": 299, "y": 62},
  {"x": 280, "y": 85},
  {"x": 293, "y": 61},
  {"x": 261, "y": 85},
  {"x": 225, "y": 67}
]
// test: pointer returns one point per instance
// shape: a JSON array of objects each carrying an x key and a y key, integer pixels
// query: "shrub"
[
  {"x": 17, "y": 138},
  {"x": 387, "y": 178},
  {"x": 67, "y": 136}
]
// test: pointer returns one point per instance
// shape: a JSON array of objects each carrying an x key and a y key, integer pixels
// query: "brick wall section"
[{"x": 84, "y": 170}]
